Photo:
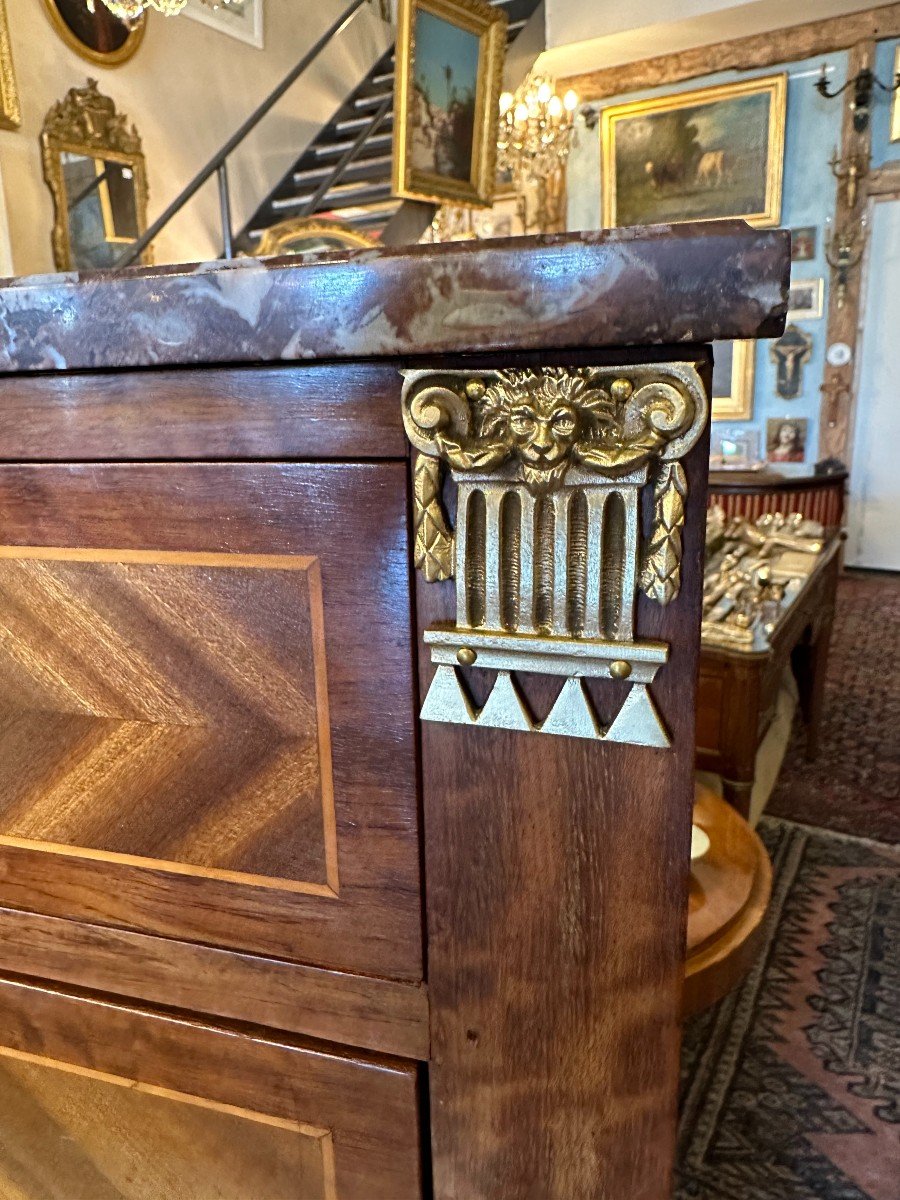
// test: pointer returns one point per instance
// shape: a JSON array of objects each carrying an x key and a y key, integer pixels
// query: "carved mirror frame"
[{"x": 85, "y": 122}]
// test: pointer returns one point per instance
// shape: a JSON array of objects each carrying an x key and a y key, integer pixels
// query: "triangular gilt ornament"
[
  {"x": 573, "y": 715},
  {"x": 638, "y": 722},
  {"x": 505, "y": 708},
  {"x": 447, "y": 700}
]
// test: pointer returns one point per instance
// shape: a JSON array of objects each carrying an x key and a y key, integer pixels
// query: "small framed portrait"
[
  {"x": 446, "y": 100},
  {"x": 96, "y": 35},
  {"x": 786, "y": 440},
  {"x": 805, "y": 299},
  {"x": 696, "y": 156},
  {"x": 803, "y": 243},
  {"x": 241, "y": 19},
  {"x": 732, "y": 381}
]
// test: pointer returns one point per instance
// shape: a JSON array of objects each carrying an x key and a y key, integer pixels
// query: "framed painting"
[
  {"x": 311, "y": 235},
  {"x": 786, "y": 440},
  {"x": 696, "y": 156},
  {"x": 803, "y": 243},
  {"x": 732, "y": 381},
  {"x": 805, "y": 299},
  {"x": 97, "y": 36},
  {"x": 446, "y": 100},
  {"x": 241, "y": 19},
  {"x": 895, "y": 105}
]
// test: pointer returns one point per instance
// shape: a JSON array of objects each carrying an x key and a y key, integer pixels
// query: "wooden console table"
[
  {"x": 350, "y": 617},
  {"x": 751, "y": 494},
  {"x": 739, "y": 687}
]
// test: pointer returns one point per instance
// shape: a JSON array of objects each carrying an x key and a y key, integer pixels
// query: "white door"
[{"x": 873, "y": 519}]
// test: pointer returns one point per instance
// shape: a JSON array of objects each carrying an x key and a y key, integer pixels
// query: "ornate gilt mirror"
[
  {"x": 311, "y": 235},
  {"x": 94, "y": 167}
]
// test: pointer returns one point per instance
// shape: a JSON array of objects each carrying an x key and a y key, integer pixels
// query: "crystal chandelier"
[
  {"x": 130, "y": 10},
  {"x": 535, "y": 129}
]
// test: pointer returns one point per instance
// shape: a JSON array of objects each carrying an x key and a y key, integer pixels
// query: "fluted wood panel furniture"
[{"x": 265, "y": 931}]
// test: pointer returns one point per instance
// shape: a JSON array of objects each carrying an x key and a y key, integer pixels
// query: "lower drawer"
[{"x": 100, "y": 1101}]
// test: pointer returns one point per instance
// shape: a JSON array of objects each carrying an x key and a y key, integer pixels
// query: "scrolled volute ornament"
[{"x": 548, "y": 552}]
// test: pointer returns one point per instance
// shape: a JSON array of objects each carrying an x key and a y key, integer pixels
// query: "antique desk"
[
  {"x": 265, "y": 931},
  {"x": 739, "y": 686}
]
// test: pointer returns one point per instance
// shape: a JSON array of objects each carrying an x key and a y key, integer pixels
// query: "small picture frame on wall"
[
  {"x": 732, "y": 381},
  {"x": 895, "y": 107},
  {"x": 803, "y": 243},
  {"x": 786, "y": 439},
  {"x": 241, "y": 19},
  {"x": 805, "y": 299}
]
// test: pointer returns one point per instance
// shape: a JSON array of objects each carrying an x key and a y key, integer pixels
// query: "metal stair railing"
[{"x": 217, "y": 165}]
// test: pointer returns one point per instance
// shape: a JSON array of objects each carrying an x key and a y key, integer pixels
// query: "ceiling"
[{"x": 589, "y": 36}]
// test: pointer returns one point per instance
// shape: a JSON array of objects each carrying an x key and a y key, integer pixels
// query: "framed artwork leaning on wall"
[
  {"x": 449, "y": 67},
  {"x": 709, "y": 154}
]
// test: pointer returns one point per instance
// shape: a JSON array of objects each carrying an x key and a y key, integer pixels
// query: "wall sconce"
[
  {"x": 843, "y": 251},
  {"x": 850, "y": 172},
  {"x": 863, "y": 85}
]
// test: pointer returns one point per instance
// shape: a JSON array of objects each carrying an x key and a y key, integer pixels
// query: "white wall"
[
  {"x": 588, "y": 36},
  {"x": 187, "y": 89}
]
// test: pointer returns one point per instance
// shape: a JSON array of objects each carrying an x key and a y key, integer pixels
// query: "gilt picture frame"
[
  {"x": 449, "y": 68},
  {"x": 734, "y": 371},
  {"x": 10, "y": 110},
  {"x": 709, "y": 154},
  {"x": 99, "y": 36}
]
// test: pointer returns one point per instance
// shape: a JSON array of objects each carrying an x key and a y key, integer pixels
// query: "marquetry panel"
[
  {"x": 168, "y": 708},
  {"x": 102, "y": 1101},
  {"x": 207, "y": 710},
  {"x": 76, "y": 1134}
]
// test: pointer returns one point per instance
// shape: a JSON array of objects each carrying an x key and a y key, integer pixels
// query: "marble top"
[{"x": 624, "y": 287}]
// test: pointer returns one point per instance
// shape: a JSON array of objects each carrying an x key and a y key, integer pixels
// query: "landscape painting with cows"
[{"x": 698, "y": 156}]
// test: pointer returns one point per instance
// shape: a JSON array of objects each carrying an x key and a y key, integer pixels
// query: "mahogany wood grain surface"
[
  {"x": 356, "y": 1010},
  {"x": 174, "y": 713},
  {"x": 557, "y": 893},
  {"x": 308, "y": 412},
  {"x": 102, "y": 1102}
]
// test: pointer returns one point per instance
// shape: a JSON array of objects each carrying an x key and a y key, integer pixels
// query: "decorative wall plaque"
[
  {"x": 548, "y": 551},
  {"x": 790, "y": 354}
]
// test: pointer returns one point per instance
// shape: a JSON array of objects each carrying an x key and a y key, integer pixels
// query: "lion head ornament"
[{"x": 541, "y": 424}]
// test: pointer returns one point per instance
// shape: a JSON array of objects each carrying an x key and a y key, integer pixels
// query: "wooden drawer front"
[
  {"x": 206, "y": 703},
  {"x": 99, "y": 1102}
]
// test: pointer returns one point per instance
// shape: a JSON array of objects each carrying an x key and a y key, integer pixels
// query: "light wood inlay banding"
[{"x": 168, "y": 710}]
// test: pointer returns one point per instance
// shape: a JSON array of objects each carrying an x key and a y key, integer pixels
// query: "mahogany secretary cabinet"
[{"x": 265, "y": 931}]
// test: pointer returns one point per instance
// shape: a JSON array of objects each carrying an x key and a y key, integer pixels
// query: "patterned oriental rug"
[
  {"x": 791, "y": 1084},
  {"x": 854, "y": 783}
]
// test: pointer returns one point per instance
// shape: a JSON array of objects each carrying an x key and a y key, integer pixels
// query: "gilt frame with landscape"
[
  {"x": 489, "y": 25},
  {"x": 767, "y": 212}
]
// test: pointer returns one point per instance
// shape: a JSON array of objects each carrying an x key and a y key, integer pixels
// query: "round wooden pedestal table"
[{"x": 729, "y": 894}]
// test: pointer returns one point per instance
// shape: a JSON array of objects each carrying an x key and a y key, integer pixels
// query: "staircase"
[{"x": 345, "y": 172}]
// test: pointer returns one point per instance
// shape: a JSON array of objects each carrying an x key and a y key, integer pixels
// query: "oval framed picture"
[{"x": 97, "y": 36}]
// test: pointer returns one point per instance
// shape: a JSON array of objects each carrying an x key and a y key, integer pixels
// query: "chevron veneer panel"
[{"x": 169, "y": 707}]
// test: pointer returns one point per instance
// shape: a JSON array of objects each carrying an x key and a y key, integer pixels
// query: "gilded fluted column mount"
[{"x": 548, "y": 551}]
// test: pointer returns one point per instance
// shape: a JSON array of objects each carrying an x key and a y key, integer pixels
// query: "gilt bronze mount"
[{"x": 548, "y": 552}]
